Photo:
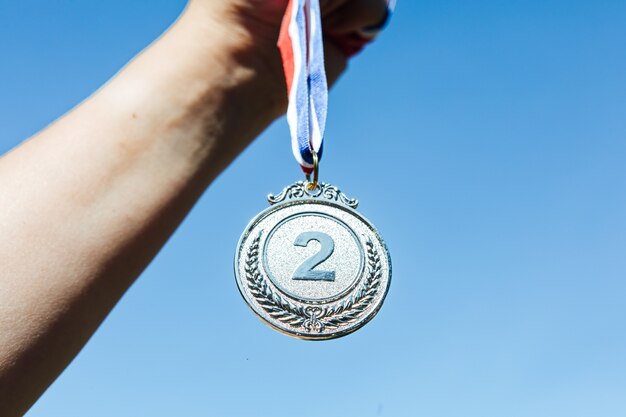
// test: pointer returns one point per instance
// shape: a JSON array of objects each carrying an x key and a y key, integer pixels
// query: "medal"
[{"x": 310, "y": 265}]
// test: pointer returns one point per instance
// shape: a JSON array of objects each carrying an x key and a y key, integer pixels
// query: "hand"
[{"x": 257, "y": 25}]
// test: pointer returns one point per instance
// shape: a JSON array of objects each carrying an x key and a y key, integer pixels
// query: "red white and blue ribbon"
[{"x": 302, "y": 50}]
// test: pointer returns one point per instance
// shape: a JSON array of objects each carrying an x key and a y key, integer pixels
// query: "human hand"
[{"x": 253, "y": 27}]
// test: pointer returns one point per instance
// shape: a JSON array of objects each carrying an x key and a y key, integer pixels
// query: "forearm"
[{"x": 89, "y": 201}]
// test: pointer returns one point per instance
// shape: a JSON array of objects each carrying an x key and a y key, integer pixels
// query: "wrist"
[
  {"x": 230, "y": 54},
  {"x": 202, "y": 84}
]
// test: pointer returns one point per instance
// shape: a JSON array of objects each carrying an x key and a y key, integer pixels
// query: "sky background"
[{"x": 486, "y": 140}]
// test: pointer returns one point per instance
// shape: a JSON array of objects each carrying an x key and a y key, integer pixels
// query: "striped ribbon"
[{"x": 302, "y": 50}]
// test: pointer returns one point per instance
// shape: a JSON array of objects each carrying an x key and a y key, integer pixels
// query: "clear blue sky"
[{"x": 487, "y": 142}]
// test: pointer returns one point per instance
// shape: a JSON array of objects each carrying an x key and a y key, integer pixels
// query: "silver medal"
[{"x": 311, "y": 266}]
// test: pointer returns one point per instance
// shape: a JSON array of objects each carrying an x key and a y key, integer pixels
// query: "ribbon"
[{"x": 302, "y": 49}]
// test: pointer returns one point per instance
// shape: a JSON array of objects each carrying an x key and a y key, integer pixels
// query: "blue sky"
[{"x": 485, "y": 139}]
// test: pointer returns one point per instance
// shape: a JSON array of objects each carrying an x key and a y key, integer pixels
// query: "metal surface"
[
  {"x": 311, "y": 266},
  {"x": 312, "y": 185}
]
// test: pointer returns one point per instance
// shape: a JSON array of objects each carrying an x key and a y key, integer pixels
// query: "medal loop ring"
[{"x": 312, "y": 185}]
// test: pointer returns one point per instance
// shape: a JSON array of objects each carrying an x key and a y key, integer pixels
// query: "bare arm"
[{"x": 89, "y": 201}]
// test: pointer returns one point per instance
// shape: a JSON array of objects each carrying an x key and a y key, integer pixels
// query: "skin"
[{"x": 89, "y": 201}]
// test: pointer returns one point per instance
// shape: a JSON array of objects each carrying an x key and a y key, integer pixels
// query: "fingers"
[
  {"x": 348, "y": 16},
  {"x": 335, "y": 60},
  {"x": 329, "y": 6}
]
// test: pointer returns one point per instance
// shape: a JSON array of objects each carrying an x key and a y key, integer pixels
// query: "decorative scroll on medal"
[{"x": 310, "y": 265}]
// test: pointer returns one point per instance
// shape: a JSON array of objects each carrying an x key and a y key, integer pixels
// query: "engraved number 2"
[{"x": 305, "y": 271}]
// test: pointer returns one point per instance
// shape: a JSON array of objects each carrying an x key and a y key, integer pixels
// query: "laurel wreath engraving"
[{"x": 313, "y": 318}]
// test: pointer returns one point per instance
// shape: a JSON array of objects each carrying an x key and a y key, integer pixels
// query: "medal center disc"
[{"x": 313, "y": 257}]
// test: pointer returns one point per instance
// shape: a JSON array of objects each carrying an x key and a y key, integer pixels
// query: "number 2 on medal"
[{"x": 305, "y": 271}]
